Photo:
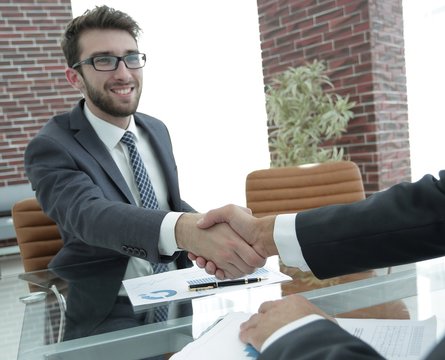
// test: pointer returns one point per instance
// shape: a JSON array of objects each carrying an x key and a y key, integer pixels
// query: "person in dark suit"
[
  {"x": 294, "y": 328},
  {"x": 83, "y": 174},
  {"x": 403, "y": 224}
]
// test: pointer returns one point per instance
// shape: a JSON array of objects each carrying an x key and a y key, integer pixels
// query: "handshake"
[{"x": 227, "y": 242}]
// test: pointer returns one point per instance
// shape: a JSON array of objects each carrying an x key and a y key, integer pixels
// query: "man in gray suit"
[
  {"x": 83, "y": 173},
  {"x": 401, "y": 225}
]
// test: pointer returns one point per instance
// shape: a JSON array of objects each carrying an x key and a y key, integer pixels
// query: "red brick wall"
[
  {"x": 33, "y": 86},
  {"x": 361, "y": 41},
  {"x": 362, "y": 44}
]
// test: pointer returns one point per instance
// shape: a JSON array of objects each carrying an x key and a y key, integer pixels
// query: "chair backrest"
[
  {"x": 37, "y": 235},
  {"x": 298, "y": 188}
]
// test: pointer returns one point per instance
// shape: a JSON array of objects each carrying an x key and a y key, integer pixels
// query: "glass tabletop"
[
  {"x": 76, "y": 312},
  {"x": 11, "y": 314}
]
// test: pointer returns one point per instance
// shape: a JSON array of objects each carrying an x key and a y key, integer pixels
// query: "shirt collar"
[{"x": 109, "y": 134}]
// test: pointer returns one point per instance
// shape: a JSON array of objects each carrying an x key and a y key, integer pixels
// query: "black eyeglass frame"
[{"x": 90, "y": 61}]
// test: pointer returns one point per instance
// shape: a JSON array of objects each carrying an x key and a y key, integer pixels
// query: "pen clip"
[{"x": 201, "y": 288}]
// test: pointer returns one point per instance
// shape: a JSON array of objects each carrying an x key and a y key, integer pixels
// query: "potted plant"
[{"x": 305, "y": 116}]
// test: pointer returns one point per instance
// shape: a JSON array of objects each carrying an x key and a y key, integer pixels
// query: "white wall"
[
  {"x": 203, "y": 78},
  {"x": 424, "y": 27}
]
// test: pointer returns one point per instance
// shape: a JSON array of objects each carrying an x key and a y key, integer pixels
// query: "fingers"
[
  {"x": 233, "y": 266},
  {"x": 230, "y": 253},
  {"x": 192, "y": 256},
  {"x": 226, "y": 250},
  {"x": 273, "y": 315},
  {"x": 211, "y": 268},
  {"x": 201, "y": 262},
  {"x": 267, "y": 305},
  {"x": 216, "y": 216},
  {"x": 226, "y": 214},
  {"x": 252, "y": 322},
  {"x": 251, "y": 333},
  {"x": 240, "y": 259},
  {"x": 220, "y": 275},
  {"x": 208, "y": 266},
  {"x": 249, "y": 256}
]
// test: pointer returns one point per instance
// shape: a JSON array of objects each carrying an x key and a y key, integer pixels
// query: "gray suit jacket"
[{"x": 80, "y": 187}]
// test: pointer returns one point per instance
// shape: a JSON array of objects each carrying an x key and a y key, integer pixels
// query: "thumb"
[
  {"x": 223, "y": 214},
  {"x": 211, "y": 218}
]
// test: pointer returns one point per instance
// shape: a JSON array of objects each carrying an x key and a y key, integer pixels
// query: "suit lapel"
[{"x": 88, "y": 139}]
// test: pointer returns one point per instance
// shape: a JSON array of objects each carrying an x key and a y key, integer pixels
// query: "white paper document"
[
  {"x": 394, "y": 339},
  {"x": 221, "y": 342},
  {"x": 173, "y": 285}
]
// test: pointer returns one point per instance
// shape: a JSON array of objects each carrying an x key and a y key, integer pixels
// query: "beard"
[{"x": 107, "y": 105}]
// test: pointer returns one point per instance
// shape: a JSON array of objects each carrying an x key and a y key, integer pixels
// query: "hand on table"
[{"x": 273, "y": 315}]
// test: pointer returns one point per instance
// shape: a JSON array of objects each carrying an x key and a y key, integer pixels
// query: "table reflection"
[{"x": 85, "y": 300}]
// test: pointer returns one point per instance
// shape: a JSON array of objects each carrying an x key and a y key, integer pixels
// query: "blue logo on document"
[
  {"x": 251, "y": 352},
  {"x": 158, "y": 294}
]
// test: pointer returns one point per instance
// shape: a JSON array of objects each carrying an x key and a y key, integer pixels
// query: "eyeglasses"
[{"x": 110, "y": 62}]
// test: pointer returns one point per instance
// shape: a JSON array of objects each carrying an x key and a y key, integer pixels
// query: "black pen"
[{"x": 217, "y": 284}]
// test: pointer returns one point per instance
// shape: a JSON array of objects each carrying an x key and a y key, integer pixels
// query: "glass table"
[
  {"x": 11, "y": 314},
  {"x": 64, "y": 303}
]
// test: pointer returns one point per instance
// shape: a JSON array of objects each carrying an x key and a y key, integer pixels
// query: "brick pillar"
[
  {"x": 362, "y": 43},
  {"x": 33, "y": 85}
]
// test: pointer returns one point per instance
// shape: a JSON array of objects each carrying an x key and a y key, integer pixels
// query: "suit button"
[
  {"x": 130, "y": 251},
  {"x": 124, "y": 248},
  {"x": 142, "y": 253},
  {"x": 136, "y": 252}
]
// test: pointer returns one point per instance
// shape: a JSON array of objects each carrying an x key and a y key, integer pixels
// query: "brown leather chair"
[
  {"x": 298, "y": 188},
  {"x": 37, "y": 235},
  {"x": 293, "y": 189}
]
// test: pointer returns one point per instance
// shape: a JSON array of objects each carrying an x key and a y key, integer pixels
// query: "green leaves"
[{"x": 304, "y": 116}]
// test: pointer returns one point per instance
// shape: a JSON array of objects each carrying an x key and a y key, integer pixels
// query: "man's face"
[{"x": 110, "y": 95}]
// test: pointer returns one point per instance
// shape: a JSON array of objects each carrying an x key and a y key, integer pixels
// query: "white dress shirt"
[
  {"x": 111, "y": 135},
  {"x": 286, "y": 240}
]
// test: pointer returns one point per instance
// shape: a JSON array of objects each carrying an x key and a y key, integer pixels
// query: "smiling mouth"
[{"x": 125, "y": 91}]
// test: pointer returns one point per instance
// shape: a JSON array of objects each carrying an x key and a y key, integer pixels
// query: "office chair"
[
  {"x": 39, "y": 240},
  {"x": 298, "y": 188},
  {"x": 293, "y": 189},
  {"x": 37, "y": 235}
]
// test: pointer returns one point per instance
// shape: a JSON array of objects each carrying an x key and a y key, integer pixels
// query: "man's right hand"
[
  {"x": 258, "y": 233},
  {"x": 219, "y": 245}
]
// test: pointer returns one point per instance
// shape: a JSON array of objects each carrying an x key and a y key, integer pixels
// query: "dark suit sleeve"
[
  {"x": 403, "y": 224},
  {"x": 321, "y": 339}
]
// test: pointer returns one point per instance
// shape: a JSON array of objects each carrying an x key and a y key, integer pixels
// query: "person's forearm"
[
  {"x": 263, "y": 241},
  {"x": 184, "y": 230}
]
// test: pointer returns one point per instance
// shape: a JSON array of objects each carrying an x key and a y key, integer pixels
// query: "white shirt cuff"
[
  {"x": 288, "y": 328},
  {"x": 167, "y": 241},
  {"x": 286, "y": 240}
]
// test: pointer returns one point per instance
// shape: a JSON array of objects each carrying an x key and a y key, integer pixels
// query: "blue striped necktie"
[{"x": 148, "y": 200}]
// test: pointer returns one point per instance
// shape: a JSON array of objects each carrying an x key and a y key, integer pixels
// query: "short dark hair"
[{"x": 101, "y": 17}]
